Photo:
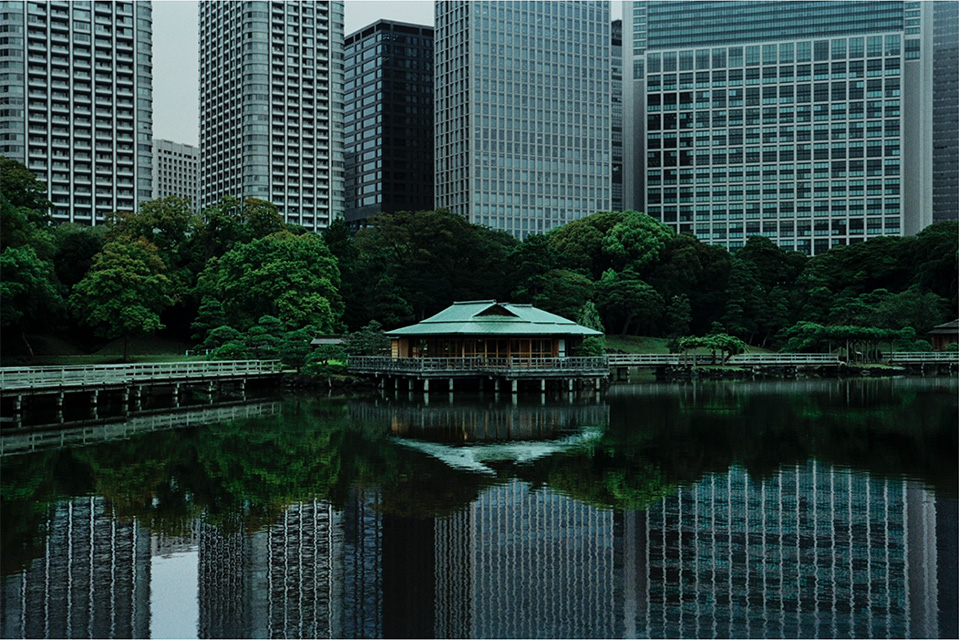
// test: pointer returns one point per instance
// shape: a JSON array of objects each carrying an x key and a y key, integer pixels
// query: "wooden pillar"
[
  {"x": 543, "y": 385},
  {"x": 426, "y": 386},
  {"x": 18, "y": 410},
  {"x": 496, "y": 384},
  {"x": 410, "y": 384},
  {"x": 451, "y": 385},
  {"x": 513, "y": 386}
]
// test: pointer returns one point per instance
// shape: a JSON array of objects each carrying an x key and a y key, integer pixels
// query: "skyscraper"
[
  {"x": 616, "y": 115},
  {"x": 806, "y": 122},
  {"x": 946, "y": 96},
  {"x": 271, "y": 106},
  {"x": 76, "y": 102},
  {"x": 523, "y": 112},
  {"x": 175, "y": 168},
  {"x": 388, "y": 120}
]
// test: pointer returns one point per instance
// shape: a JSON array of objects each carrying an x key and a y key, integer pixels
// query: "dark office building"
[
  {"x": 945, "y": 114},
  {"x": 616, "y": 115},
  {"x": 388, "y": 120}
]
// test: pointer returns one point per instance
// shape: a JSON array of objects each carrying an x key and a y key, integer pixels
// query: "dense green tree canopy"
[
  {"x": 124, "y": 291},
  {"x": 291, "y": 277}
]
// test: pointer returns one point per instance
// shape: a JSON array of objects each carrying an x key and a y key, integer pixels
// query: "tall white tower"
[
  {"x": 271, "y": 106},
  {"x": 76, "y": 102}
]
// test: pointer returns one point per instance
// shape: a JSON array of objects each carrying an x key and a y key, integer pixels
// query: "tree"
[
  {"x": 20, "y": 187},
  {"x": 678, "y": 316},
  {"x": 626, "y": 298},
  {"x": 588, "y": 316},
  {"x": 637, "y": 241},
  {"x": 293, "y": 278},
  {"x": 719, "y": 342},
  {"x": 560, "y": 291},
  {"x": 27, "y": 289},
  {"x": 368, "y": 341},
  {"x": 76, "y": 246},
  {"x": 431, "y": 259},
  {"x": 209, "y": 317},
  {"x": 124, "y": 291}
]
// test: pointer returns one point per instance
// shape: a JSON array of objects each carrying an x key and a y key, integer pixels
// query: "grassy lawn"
[
  {"x": 646, "y": 344},
  {"x": 52, "y": 350},
  {"x": 637, "y": 344}
]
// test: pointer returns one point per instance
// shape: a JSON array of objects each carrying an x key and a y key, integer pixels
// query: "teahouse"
[
  {"x": 489, "y": 329},
  {"x": 487, "y": 340}
]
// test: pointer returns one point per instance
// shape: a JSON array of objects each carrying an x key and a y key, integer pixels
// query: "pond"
[{"x": 821, "y": 508}]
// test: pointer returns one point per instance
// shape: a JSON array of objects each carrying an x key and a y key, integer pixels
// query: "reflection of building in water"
[
  {"x": 93, "y": 581},
  {"x": 275, "y": 582},
  {"x": 524, "y": 563},
  {"x": 810, "y": 552},
  {"x": 478, "y": 423},
  {"x": 362, "y": 605}
]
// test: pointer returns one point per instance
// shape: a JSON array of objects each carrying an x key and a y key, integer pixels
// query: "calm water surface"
[{"x": 771, "y": 509}]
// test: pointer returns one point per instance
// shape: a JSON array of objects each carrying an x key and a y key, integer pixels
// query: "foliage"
[
  {"x": 124, "y": 291},
  {"x": 625, "y": 298},
  {"x": 558, "y": 291},
  {"x": 423, "y": 261},
  {"x": 21, "y": 189},
  {"x": 858, "y": 342},
  {"x": 719, "y": 342},
  {"x": 368, "y": 341},
  {"x": 324, "y": 361},
  {"x": 27, "y": 288},
  {"x": 293, "y": 278}
]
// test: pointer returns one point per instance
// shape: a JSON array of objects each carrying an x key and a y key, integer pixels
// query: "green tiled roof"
[{"x": 489, "y": 317}]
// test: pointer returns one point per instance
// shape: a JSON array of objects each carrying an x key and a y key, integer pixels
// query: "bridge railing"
[
  {"x": 921, "y": 357},
  {"x": 386, "y": 365},
  {"x": 12, "y": 378},
  {"x": 744, "y": 359}
]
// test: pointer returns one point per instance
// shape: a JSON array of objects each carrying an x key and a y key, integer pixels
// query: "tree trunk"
[
  {"x": 626, "y": 325},
  {"x": 126, "y": 348},
  {"x": 23, "y": 336}
]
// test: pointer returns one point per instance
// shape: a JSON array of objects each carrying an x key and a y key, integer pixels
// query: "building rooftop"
[{"x": 489, "y": 317}]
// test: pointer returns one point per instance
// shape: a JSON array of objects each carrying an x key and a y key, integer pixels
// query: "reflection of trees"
[
  {"x": 880, "y": 426},
  {"x": 247, "y": 472}
]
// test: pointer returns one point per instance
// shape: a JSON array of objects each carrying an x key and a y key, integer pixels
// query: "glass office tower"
[
  {"x": 946, "y": 97},
  {"x": 616, "y": 115},
  {"x": 523, "y": 106},
  {"x": 271, "y": 106},
  {"x": 77, "y": 102},
  {"x": 388, "y": 120},
  {"x": 805, "y": 122}
]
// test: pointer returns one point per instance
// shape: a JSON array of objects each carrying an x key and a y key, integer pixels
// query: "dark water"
[{"x": 778, "y": 509}]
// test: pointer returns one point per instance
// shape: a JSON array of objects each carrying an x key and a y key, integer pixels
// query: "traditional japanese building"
[{"x": 486, "y": 338}]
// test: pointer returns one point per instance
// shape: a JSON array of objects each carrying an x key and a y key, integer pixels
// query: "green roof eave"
[{"x": 489, "y": 318}]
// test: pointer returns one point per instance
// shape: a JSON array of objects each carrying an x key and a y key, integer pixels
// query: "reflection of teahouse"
[
  {"x": 486, "y": 339},
  {"x": 488, "y": 329},
  {"x": 943, "y": 335}
]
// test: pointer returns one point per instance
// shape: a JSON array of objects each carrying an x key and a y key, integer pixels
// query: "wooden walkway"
[
  {"x": 34, "y": 380},
  {"x": 922, "y": 357},
  {"x": 508, "y": 368},
  {"x": 743, "y": 360}
]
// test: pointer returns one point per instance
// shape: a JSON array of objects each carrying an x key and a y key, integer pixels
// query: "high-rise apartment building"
[
  {"x": 388, "y": 120},
  {"x": 523, "y": 103},
  {"x": 806, "y": 122},
  {"x": 946, "y": 96},
  {"x": 76, "y": 102},
  {"x": 175, "y": 169},
  {"x": 616, "y": 115},
  {"x": 271, "y": 106}
]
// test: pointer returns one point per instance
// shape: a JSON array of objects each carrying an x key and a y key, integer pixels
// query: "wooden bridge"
[
  {"x": 743, "y": 360},
  {"x": 18, "y": 383},
  {"x": 58, "y": 436}
]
